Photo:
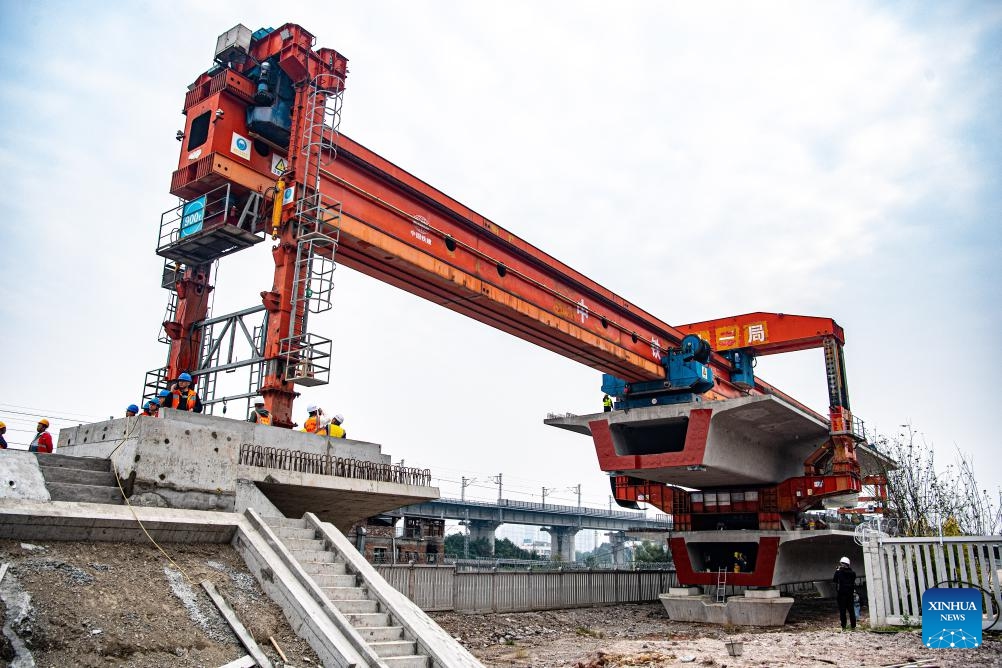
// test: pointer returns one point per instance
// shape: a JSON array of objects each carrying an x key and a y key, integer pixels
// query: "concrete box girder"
[{"x": 749, "y": 440}]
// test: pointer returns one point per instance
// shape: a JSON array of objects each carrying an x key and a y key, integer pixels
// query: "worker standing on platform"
[
  {"x": 151, "y": 408},
  {"x": 183, "y": 396},
  {"x": 43, "y": 439},
  {"x": 607, "y": 404},
  {"x": 3, "y": 441},
  {"x": 845, "y": 587},
  {"x": 260, "y": 414},
  {"x": 132, "y": 411}
]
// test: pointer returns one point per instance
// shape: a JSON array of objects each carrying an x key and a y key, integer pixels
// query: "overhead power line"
[{"x": 41, "y": 411}]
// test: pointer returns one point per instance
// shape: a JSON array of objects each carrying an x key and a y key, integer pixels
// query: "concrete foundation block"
[
  {"x": 685, "y": 608},
  {"x": 742, "y": 611},
  {"x": 738, "y": 611},
  {"x": 684, "y": 591},
  {"x": 761, "y": 593}
]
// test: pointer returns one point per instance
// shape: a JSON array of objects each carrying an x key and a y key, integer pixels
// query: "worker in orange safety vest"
[
  {"x": 151, "y": 408},
  {"x": 260, "y": 414},
  {"x": 183, "y": 397},
  {"x": 43, "y": 439},
  {"x": 313, "y": 421}
]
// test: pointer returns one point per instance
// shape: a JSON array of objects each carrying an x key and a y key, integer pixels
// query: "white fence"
[{"x": 898, "y": 570}]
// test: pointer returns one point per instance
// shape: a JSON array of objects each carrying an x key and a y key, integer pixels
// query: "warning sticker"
[
  {"x": 240, "y": 146},
  {"x": 278, "y": 164},
  {"x": 289, "y": 195}
]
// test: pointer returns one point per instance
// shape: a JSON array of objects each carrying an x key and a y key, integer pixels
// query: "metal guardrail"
[
  {"x": 562, "y": 510},
  {"x": 489, "y": 564},
  {"x": 322, "y": 464}
]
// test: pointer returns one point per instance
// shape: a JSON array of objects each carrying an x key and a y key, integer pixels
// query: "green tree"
[
  {"x": 480, "y": 548},
  {"x": 648, "y": 552},
  {"x": 505, "y": 549},
  {"x": 600, "y": 555}
]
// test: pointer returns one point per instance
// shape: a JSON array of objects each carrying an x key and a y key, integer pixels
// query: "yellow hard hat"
[
  {"x": 2, "y": 425},
  {"x": 44, "y": 421}
]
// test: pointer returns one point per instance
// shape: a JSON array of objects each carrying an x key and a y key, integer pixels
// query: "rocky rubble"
[
  {"x": 642, "y": 635},
  {"x": 103, "y": 604}
]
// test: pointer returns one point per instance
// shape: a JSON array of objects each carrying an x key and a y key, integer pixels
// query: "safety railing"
[
  {"x": 208, "y": 227},
  {"x": 323, "y": 464},
  {"x": 215, "y": 207},
  {"x": 564, "y": 510}
]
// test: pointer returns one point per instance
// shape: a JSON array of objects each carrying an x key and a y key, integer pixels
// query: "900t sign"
[{"x": 192, "y": 216}]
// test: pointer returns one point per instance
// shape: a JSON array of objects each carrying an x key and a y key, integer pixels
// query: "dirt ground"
[
  {"x": 103, "y": 604},
  {"x": 642, "y": 635}
]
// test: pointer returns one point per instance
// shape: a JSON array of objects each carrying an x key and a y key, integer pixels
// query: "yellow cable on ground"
[{"x": 134, "y": 514}]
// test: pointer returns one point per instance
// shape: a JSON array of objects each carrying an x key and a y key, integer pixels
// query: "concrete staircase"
[
  {"x": 87, "y": 479},
  {"x": 349, "y": 594}
]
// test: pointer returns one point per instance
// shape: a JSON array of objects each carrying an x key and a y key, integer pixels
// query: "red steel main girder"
[{"x": 402, "y": 231}]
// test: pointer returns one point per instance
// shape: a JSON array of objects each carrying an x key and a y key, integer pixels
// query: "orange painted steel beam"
[
  {"x": 403, "y": 231},
  {"x": 766, "y": 333}
]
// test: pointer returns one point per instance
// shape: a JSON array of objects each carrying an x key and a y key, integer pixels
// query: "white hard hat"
[
  {"x": 844, "y": 560},
  {"x": 311, "y": 408},
  {"x": 258, "y": 399},
  {"x": 339, "y": 418}
]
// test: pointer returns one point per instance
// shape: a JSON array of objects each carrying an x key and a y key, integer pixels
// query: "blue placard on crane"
[{"x": 192, "y": 216}]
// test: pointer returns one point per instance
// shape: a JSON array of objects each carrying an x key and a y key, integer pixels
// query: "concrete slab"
[
  {"x": 62, "y": 520},
  {"x": 186, "y": 460},
  {"x": 748, "y": 440}
]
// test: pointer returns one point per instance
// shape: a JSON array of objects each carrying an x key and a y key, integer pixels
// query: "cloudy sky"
[{"x": 699, "y": 159}]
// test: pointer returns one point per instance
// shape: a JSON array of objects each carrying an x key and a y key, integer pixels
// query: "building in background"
[{"x": 382, "y": 541}]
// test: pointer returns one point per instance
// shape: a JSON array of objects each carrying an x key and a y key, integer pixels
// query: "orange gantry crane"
[{"x": 262, "y": 156}]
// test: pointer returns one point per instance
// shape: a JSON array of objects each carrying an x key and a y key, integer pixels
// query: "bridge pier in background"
[
  {"x": 483, "y": 529},
  {"x": 562, "y": 543},
  {"x": 617, "y": 541}
]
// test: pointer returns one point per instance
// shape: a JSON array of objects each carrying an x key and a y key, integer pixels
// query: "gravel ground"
[
  {"x": 102, "y": 604},
  {"x": 105, "y": 604},
  {"x": 642, "y": 635}
]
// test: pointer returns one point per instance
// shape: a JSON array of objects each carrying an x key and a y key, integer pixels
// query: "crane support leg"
[{"x": 193, "y": 292}]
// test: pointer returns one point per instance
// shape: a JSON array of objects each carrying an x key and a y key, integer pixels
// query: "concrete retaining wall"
[
  {"x": 20, "y": 477},
  {"x": 186, "y": 460}
]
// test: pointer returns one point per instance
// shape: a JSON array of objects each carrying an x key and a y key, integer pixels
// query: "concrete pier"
[
  {"x": 562, "y": 543},
  {"x": 483, "y": 529}
]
